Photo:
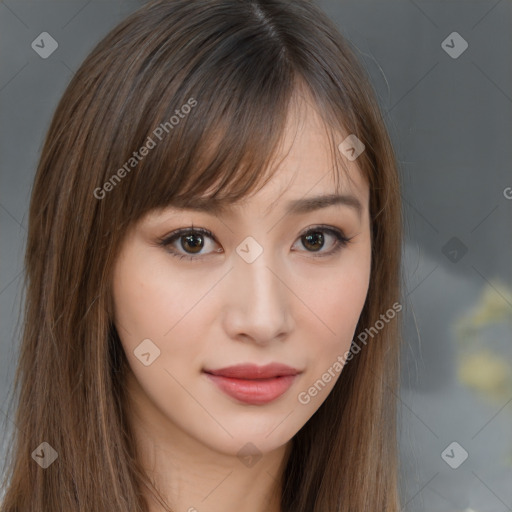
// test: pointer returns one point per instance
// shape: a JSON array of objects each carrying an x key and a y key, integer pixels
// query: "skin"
[{"x": 288, "y": 306}]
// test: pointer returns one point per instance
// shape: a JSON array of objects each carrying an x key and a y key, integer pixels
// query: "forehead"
[
  {"x": 308, "y": 159},
  {"x": 309, "y": 147},
  {"x": 309, "y": 165},
  {"x": 307, "y": 172}
]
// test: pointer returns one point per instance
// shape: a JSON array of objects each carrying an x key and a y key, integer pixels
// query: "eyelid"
[
  {"x": 176, "y": 234},
  {"x": 341, "y": 239},
  {"x": 184, "y": 231}
]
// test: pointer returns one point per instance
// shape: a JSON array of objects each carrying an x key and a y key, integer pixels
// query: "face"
[{"x": 260, "y": 284}]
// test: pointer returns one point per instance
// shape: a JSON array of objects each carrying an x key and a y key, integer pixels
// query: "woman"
[{"x": 212, "y": 274}]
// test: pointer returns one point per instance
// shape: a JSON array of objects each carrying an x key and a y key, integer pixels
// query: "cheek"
[
  {"x": 150, "y": 300},
  {"x": 171, "y": 309},
  {"x": 152, "y": 313},
  {"x": 140, "y": 302},
  {"x": 339, "y": 304},
  {"x": 338, "y": 298}
]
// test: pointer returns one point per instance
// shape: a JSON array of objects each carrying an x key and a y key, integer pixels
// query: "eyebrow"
[
  {"x": 309, "y": 204},
  {"x": 293, "y": 207}
]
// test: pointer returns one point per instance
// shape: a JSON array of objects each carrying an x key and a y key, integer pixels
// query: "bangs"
[
  {"x": 216, "y": 156},
  {"x": 206, "y": 124},
  {"x": 219, "y": 157},
  {"x": 214, "y": 129}
]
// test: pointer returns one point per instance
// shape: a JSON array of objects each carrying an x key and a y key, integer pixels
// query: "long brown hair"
[{"x": 227, "y": 70}]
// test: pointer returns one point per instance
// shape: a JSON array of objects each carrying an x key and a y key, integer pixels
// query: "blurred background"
[{"x": 442, "y": 72}]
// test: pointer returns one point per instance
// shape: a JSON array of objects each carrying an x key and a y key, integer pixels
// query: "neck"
[{"x": 193, "y": 477}]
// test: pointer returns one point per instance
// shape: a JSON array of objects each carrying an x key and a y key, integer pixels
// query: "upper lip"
[{"x": 252, "y": 371}]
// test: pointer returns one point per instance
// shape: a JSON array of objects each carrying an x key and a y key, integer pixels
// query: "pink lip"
[
  {"x": 252, "y": 371},
  {"x": 254, "y": 385}
]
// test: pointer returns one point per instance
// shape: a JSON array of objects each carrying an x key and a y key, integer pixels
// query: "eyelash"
[{"x": 341, "y": 240}]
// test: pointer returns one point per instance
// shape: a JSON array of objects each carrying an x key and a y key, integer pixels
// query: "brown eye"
[
  {"x": 192, "y": 243},
  {"x": 314, "y": 240}
]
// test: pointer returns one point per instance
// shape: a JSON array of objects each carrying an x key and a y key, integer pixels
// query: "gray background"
[{"x": 451, "y": 123}]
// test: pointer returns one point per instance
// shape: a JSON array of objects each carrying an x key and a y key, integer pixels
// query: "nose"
[{"x": 257, "y": 307}]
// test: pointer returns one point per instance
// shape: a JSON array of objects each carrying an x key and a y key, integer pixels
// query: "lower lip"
[{"x": 253, "y": 392}]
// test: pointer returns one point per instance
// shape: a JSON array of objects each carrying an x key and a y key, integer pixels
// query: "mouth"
[{"x": 254, "y": 385}]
